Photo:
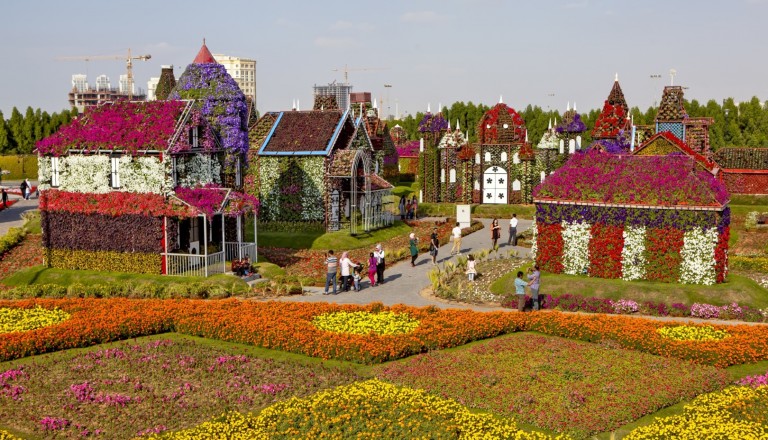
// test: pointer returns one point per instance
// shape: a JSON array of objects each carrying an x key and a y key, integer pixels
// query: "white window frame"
[
  {"x": 503, "y": 156},
  {"x": 516, "y": 185},
  {"x": 55, "y": 171},
  {"x": 114, "y": 176},
  {"x": 516, "y": 158},
  {"x": 194, "y": 137},
  {"x": 452, "y": 175},
  {"x": 487, "y": 156},
  {"x": 442, "y": 175}
]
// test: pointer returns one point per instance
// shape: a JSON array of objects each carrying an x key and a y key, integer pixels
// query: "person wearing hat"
[
  {"x": 434, "y": 243},
  {"x": 413, "y": 245},
  {"x": 379, "y": 254}
]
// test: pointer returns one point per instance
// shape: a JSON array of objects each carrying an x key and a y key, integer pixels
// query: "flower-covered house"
[
  {"x": 661, "y": 218},
  {"x": 744, "y": 170},
  {"x": 318, "y": 166},
  {"x": 143, "y": 187}
]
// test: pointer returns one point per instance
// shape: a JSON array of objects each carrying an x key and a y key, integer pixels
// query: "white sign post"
[{"x": 463, "y": 215}]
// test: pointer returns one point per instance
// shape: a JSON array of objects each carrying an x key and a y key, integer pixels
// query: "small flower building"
[
  {"x": 661, "y": 218},
  {"x": 147, "y": 186}
]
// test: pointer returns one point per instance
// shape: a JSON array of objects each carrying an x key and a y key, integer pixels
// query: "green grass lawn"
[
  {"x": 64, "y": 277},
  {"x": 739, "y": 289},
  {"x": 330, "y": 240}
]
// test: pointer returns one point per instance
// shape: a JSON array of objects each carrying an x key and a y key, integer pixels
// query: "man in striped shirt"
[{"x": 333, "y": 265}]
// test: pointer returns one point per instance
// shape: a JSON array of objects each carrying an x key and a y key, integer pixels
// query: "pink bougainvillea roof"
[
  {"x": 210, "y": 200},
  {"x": 409, "y": 149},
  {"x": 599, "y": 177},
  {"x": 122, "y": 125}
]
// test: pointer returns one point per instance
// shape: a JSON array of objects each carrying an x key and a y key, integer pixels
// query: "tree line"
[
  {"x": 19, "y": 133},
  {"x": 743, "y": 124}
]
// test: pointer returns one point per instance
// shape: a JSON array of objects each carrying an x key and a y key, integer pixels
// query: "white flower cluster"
[
  {"x": 198, "y": 169},
  {"x": 576, "y": 238},
  {"x": 633, "y": 253},
  {"x": 85, "y": 174},
  {"x": 43, "y": 173},
  {"x": 143, "y": 175},
  {"x": 698, "y": 263},
  {"x": 454, "y": 139},
  {"x": 534, "y": 245}
]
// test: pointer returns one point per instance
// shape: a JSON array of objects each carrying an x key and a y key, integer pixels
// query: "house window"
[
  {"x": 442, "y": 176},
  {"x": 115, "y": 176},
  {"x": 55, "y": 171},
  {"x": 516, "y": 185},
  {"x": 452, "y": 175},
  {"x": 477, "y": 157},
  {"x": 515, "y": 158},
  {"x": 193, "y": 136},
  {"x": 503, "y": 156},
  {"x": 543, "y": 175},
  {"x": 487, "y": 156}
]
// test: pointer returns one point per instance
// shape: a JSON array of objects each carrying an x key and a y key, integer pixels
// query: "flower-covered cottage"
[
  {"x": 659, "y": 218},
  {"x": 143, "y": 187},
  {"x": 318, "y": 166}
]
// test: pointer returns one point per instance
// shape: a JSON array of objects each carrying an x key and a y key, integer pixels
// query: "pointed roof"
[
  {"x": 614, "y": 117},
  {"x": 616, "y": 97},
  {"x": 204, "y": 56},
  {"x": 664, "y": 143},
  {"x": 671, "y": 108},
  {"x": 310, "y": 132}
]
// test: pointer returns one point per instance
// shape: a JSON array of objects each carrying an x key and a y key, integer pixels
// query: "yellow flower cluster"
[
  {"x": 371, "y": 409},
  {"x": 5, "y": 435},
  {"x": 727, "y": 414},
  {"x": 21, "y": 320},
  {"x": 364, "y": 323},
  {"x": 692, "y": 333}
]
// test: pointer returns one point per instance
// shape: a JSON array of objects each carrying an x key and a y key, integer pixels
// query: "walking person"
[
  {"x": 356, "y": 276},
  {"x": 401, "y": 207},
  {"x": 520, "y": 291},
  {"x": 534, "y": 279},
  {"x": 332, "y": 265},
  {"x": 413, "y": 245},
  {"x": 495, "y": 232},
  {"x": 28, "y": 189},
  {"x": 5, "y": 198},
  {"x": 346, "y": 271},
  {"x": 23, "y": 188},
  {"x": 372, "y": 269},
  {"x": 380, "y": 263},
  {"x": 512, "y": 231},
  {"x": 471, "y": 272},
  {"x": 434, "y": 243},
  {"x": 414, "y": 207},
  {"x": 456, "y": 235},
  {"x": 408, "y": 210}
]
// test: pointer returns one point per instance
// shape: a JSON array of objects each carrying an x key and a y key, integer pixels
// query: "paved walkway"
[{"x": 11, "y": 217}]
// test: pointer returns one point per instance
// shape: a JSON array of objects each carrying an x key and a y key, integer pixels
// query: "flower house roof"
[
  {"x": 409, "y": 149},
  {"x": 613, "y": 117},
  {"x": 742, "y": 158},
  {"x": 549, "y": 141},
  {"x": 671, "y": 107},
  {"x": 452, "y": 139},
  {"x": 122, "y": 125},
  {"x": 598, "y": 177},
  {"x": 210, "y": 200},
  {"x": 342, "y": 163},
  {"x": 664, "y": 143},
  {"x": 571, "y": 123},
  {"x": 308, "y": 133},
  {"x": 501, "y": 125},
  {"x": 433, "y": 123},
  {"x": 378, "y": 183},
  {"x": 204, "y": 56}
]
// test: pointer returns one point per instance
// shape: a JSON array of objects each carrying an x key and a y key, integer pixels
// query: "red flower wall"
[
  {"x": 605, "y": 251},
  {"x": 662, "y": 249},
  {"x": 549, "y": 240},
  {"x": 721, "y": 255}
]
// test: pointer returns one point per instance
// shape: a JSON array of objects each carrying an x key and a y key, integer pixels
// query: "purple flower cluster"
[
  {"x": 575, "y": 125},
  {"x": 54, "y": 423},
  {"x": 220, "y": 100},
  {"x": 433, "y": 123},
  {"x": 730, "y": 311},
  {"x": 85, "y": 393}
]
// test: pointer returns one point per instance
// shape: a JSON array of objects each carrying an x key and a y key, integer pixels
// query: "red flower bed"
[
  {"x": 605, "y": 251},
  {"x": 27, "y": 254},
  {"x": 662, "y": 248},
  {"x": 549, "y": 241},
  {"x": 721, "y": 254},
  {"x": 113, "y": 203}
]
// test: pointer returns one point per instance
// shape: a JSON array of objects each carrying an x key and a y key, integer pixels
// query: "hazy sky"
[{"x": 531, "y": 52}]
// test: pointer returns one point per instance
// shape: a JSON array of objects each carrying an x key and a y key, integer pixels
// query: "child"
[
  {"x": 471, "y": 267},
  {"x": 356, "y": 276},
  {"x": 372, "y": 262}
]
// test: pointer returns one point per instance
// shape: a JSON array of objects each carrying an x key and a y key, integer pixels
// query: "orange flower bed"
[{"x": 288, "y": 327}]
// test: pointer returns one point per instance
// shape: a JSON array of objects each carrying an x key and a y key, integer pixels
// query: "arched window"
[
  {"x": 442, "y": 175},
  {"x": 515, "y": 158},
  {"x": 543, "y": 175},
  {"x": 572, "y": 146},
  {"x": 487, "y": 156},
  {"x": 452, "y": 176},
  {"x": 578, "y": 142},
  {"x": 477, "y": 184},
  {"x": 477, "y": 157},
  {"x": 562, "y": 146},
  {"x": 503, "y": 156},
  {"x": 516, "y": 185}
]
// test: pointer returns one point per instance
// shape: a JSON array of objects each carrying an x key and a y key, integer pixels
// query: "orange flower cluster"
[{"x": 288, "y": 326}]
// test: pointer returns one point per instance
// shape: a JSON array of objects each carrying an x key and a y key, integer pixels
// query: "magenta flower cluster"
[
  {"x": 600, "y": 177},
  {"x": 754, "y": 381},
  {"x": 209, "y": 199}
]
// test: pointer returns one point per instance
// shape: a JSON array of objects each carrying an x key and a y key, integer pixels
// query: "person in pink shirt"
[{"x": 372, "y": 261}]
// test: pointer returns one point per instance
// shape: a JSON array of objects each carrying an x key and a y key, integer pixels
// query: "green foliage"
[
  {"x": 20, "y": 166},
  {"x": 19, "y": 133},
  {"x": 13, "y": 237}
]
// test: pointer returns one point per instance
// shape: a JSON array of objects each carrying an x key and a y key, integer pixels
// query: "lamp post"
[
  {"x": 389, "y": 113},
  {"x": 654, "y": 76}
]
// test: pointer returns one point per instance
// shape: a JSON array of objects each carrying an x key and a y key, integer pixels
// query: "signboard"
[{"x": 463, "y": 215}]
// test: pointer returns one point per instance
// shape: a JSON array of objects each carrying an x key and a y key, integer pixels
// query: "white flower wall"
[
  {"x": 698, "y": 265},
  {"x": 633, "y": 254},
  {"x": 576, "y": 238},
  {"x": 85, "y": 174}
]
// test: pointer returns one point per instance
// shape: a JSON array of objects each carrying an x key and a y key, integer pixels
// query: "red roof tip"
[{"x": 204, "y": 56}]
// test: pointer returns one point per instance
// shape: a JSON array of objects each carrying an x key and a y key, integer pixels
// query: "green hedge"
[
  {"x": 13, "y": 237},
  {"x": 148, "y": 290},
  {"x": 24, "y": 166}
]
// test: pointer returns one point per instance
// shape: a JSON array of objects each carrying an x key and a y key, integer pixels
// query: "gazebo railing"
[
  {"x": 238, "y": 251},
  {"x": 195, "y": 265}
]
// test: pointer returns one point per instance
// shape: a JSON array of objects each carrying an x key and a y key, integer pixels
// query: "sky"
[{"x": 545, "y": 53}]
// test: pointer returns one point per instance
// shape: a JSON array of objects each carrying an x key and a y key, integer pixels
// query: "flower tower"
[
  {"x": 613, "y": 126},
  {"x": 503, "y": 156},
  {"x": 432, "y": 127},
  {"x": 673, "y": 118},
  {"x": 456, "y": 168}
]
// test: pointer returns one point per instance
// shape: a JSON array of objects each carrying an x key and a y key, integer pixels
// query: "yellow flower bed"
[
  {"x": 734, "y": 413},
  {"x": 21, "y": 320},
  {"x": 363, "y": 323},
  {"x": 5, "y": 435},
  {"x": 692, "y": 333},
  {"x": 371, "y": 409}
]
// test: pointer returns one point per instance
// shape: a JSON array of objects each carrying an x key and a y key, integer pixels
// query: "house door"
[{"x": 495, "y": 185}]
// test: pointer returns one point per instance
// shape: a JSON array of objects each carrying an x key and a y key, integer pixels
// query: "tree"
[
  {"x": 4, "y": 135},
  {"x": 15, "y": 129}
]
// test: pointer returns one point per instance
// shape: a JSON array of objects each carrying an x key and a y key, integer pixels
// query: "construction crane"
[
  {"x": 128, "y": 64},
  {"x": 346, "y": 71}
]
